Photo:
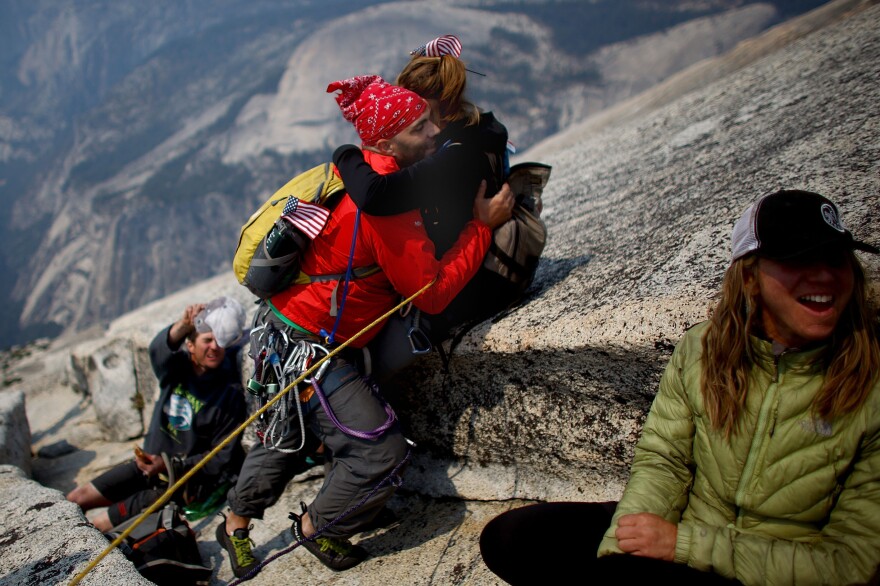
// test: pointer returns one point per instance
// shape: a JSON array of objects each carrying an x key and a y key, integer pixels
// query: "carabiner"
[{"x": 325, "y": 365}]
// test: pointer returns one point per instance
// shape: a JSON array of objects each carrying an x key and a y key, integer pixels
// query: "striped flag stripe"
[
  {"x": 301, "y": 216},
  {"x": 308, "y": 217},
  {"x": 445, "y": 45},
  {"x": 310, "y": 229},
  {"x": 305, "y": 212}
]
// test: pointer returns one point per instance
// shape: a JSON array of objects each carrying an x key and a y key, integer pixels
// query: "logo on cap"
[{"x": 829, "y": 214}]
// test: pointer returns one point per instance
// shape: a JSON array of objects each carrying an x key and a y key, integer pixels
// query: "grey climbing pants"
[{"x": 356, "y": 465}]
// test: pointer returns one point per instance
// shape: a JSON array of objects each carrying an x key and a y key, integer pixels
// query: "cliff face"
[
  {"x": 133, "y": 141},
  {"x": 640, "y": 217}
]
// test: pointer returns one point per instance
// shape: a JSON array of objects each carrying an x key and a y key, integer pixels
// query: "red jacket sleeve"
[{"x": 406, "y": 255}]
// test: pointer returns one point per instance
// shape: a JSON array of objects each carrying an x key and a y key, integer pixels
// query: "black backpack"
[{"x": 164, "y": 549}]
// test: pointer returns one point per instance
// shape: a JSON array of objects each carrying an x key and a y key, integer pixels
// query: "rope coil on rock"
[{"x": 238, "y": 431}]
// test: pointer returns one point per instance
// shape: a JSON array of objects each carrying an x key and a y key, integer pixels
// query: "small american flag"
[
  {"x": 445, "y": 45},
  {"x": 308, "y": 217}
]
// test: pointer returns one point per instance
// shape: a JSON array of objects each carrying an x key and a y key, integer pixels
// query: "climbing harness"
[
  {"x": 281, "y": 354},
  {"x": 236, "y": 432},
  {"x": 269, "y": 347},
  {"x": 368, "y": 435}
]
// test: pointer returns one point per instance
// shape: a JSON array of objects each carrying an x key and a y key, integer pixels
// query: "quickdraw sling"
[{"x": 281, "y": 354}]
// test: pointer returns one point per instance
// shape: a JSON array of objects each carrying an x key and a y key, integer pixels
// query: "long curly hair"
[
  {"x": 444, "y": 79},
  {"x": 851, "y": 359}
]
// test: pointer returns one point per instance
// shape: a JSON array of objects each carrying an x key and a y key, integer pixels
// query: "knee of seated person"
[
  {"x": 489, "y": 537},
  {"x": 507, "y": 534},
  {"x": 494, "y": 534},
  {"x": 72, "y": 496},
  {"x": 498, "y": 551}
]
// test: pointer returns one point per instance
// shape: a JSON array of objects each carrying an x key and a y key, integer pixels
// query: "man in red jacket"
[{"x": 392, "y": 256}]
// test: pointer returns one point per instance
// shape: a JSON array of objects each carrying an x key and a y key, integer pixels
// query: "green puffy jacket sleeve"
[
  {"x": 846, "y": 550},
  {"x": 843, "y": 550},
  {"x": 663, "y": 469}
]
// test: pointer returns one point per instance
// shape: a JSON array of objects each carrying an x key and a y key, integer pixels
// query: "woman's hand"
[
  {"x": 647, "y": 535},
  {"x": 496, "y": 210}
]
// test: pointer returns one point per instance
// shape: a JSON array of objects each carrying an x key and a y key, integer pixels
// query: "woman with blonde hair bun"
[{"x": 759, "y": 462}]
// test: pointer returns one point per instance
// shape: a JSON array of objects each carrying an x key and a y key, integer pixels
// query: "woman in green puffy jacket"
[{"x": 759, "y": 462}]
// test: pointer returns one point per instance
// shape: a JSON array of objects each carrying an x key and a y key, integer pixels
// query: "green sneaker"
[
  {"x": 336, "y": 553},
  {"x": 238, "y": 545}
]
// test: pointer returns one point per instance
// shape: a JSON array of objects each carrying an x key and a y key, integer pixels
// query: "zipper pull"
[{"x": 778, "y": 352}]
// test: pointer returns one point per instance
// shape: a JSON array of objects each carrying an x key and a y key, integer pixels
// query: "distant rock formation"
[{"x": 130, "y": 166}]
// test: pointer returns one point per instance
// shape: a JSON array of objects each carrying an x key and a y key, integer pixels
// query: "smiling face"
[
  {"x": 802, "y": 300},
  {"x": 204, "y": 352},
  {"x": 413, "y": 143}
]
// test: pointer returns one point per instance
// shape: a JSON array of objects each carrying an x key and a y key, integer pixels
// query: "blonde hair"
[
  {"x": 851, "y": 359},
  {"x": 444, "y": 79}
]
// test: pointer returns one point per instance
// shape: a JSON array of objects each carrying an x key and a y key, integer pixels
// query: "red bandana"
[{"x": 375, "y": 107}]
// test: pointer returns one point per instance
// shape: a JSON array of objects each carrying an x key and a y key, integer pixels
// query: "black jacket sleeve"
[
  {"x": 161, "y": 354},
  {"x": 415, "y": 187}
]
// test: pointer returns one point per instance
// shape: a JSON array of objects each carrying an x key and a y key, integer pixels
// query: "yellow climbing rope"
[{"x": 240, "y": 429}]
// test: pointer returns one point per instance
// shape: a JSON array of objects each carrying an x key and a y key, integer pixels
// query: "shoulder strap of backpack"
[
  {"x": 330, "y": 336},
  {"x": 356, "y": 273}
]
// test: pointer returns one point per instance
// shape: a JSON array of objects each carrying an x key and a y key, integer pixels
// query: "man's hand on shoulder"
[{"x": 496, "y": 210}]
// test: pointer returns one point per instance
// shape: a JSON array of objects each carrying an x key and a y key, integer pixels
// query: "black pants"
[
  {"x": 130, "y": 491},
  {"x": 548, "y": 543}
]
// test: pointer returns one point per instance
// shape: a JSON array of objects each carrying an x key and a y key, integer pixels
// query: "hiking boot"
[
  {"x": 336, "y": 553},
  {"x": 238, "y": 545}
]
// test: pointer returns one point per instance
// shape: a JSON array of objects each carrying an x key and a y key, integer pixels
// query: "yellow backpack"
[{"x": 270, "y": 249}]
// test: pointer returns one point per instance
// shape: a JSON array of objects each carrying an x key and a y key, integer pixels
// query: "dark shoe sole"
[{"x": 314, "y": 548}]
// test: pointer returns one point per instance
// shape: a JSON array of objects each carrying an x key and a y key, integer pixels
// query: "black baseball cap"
[{"x": 789, "y": 223}]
